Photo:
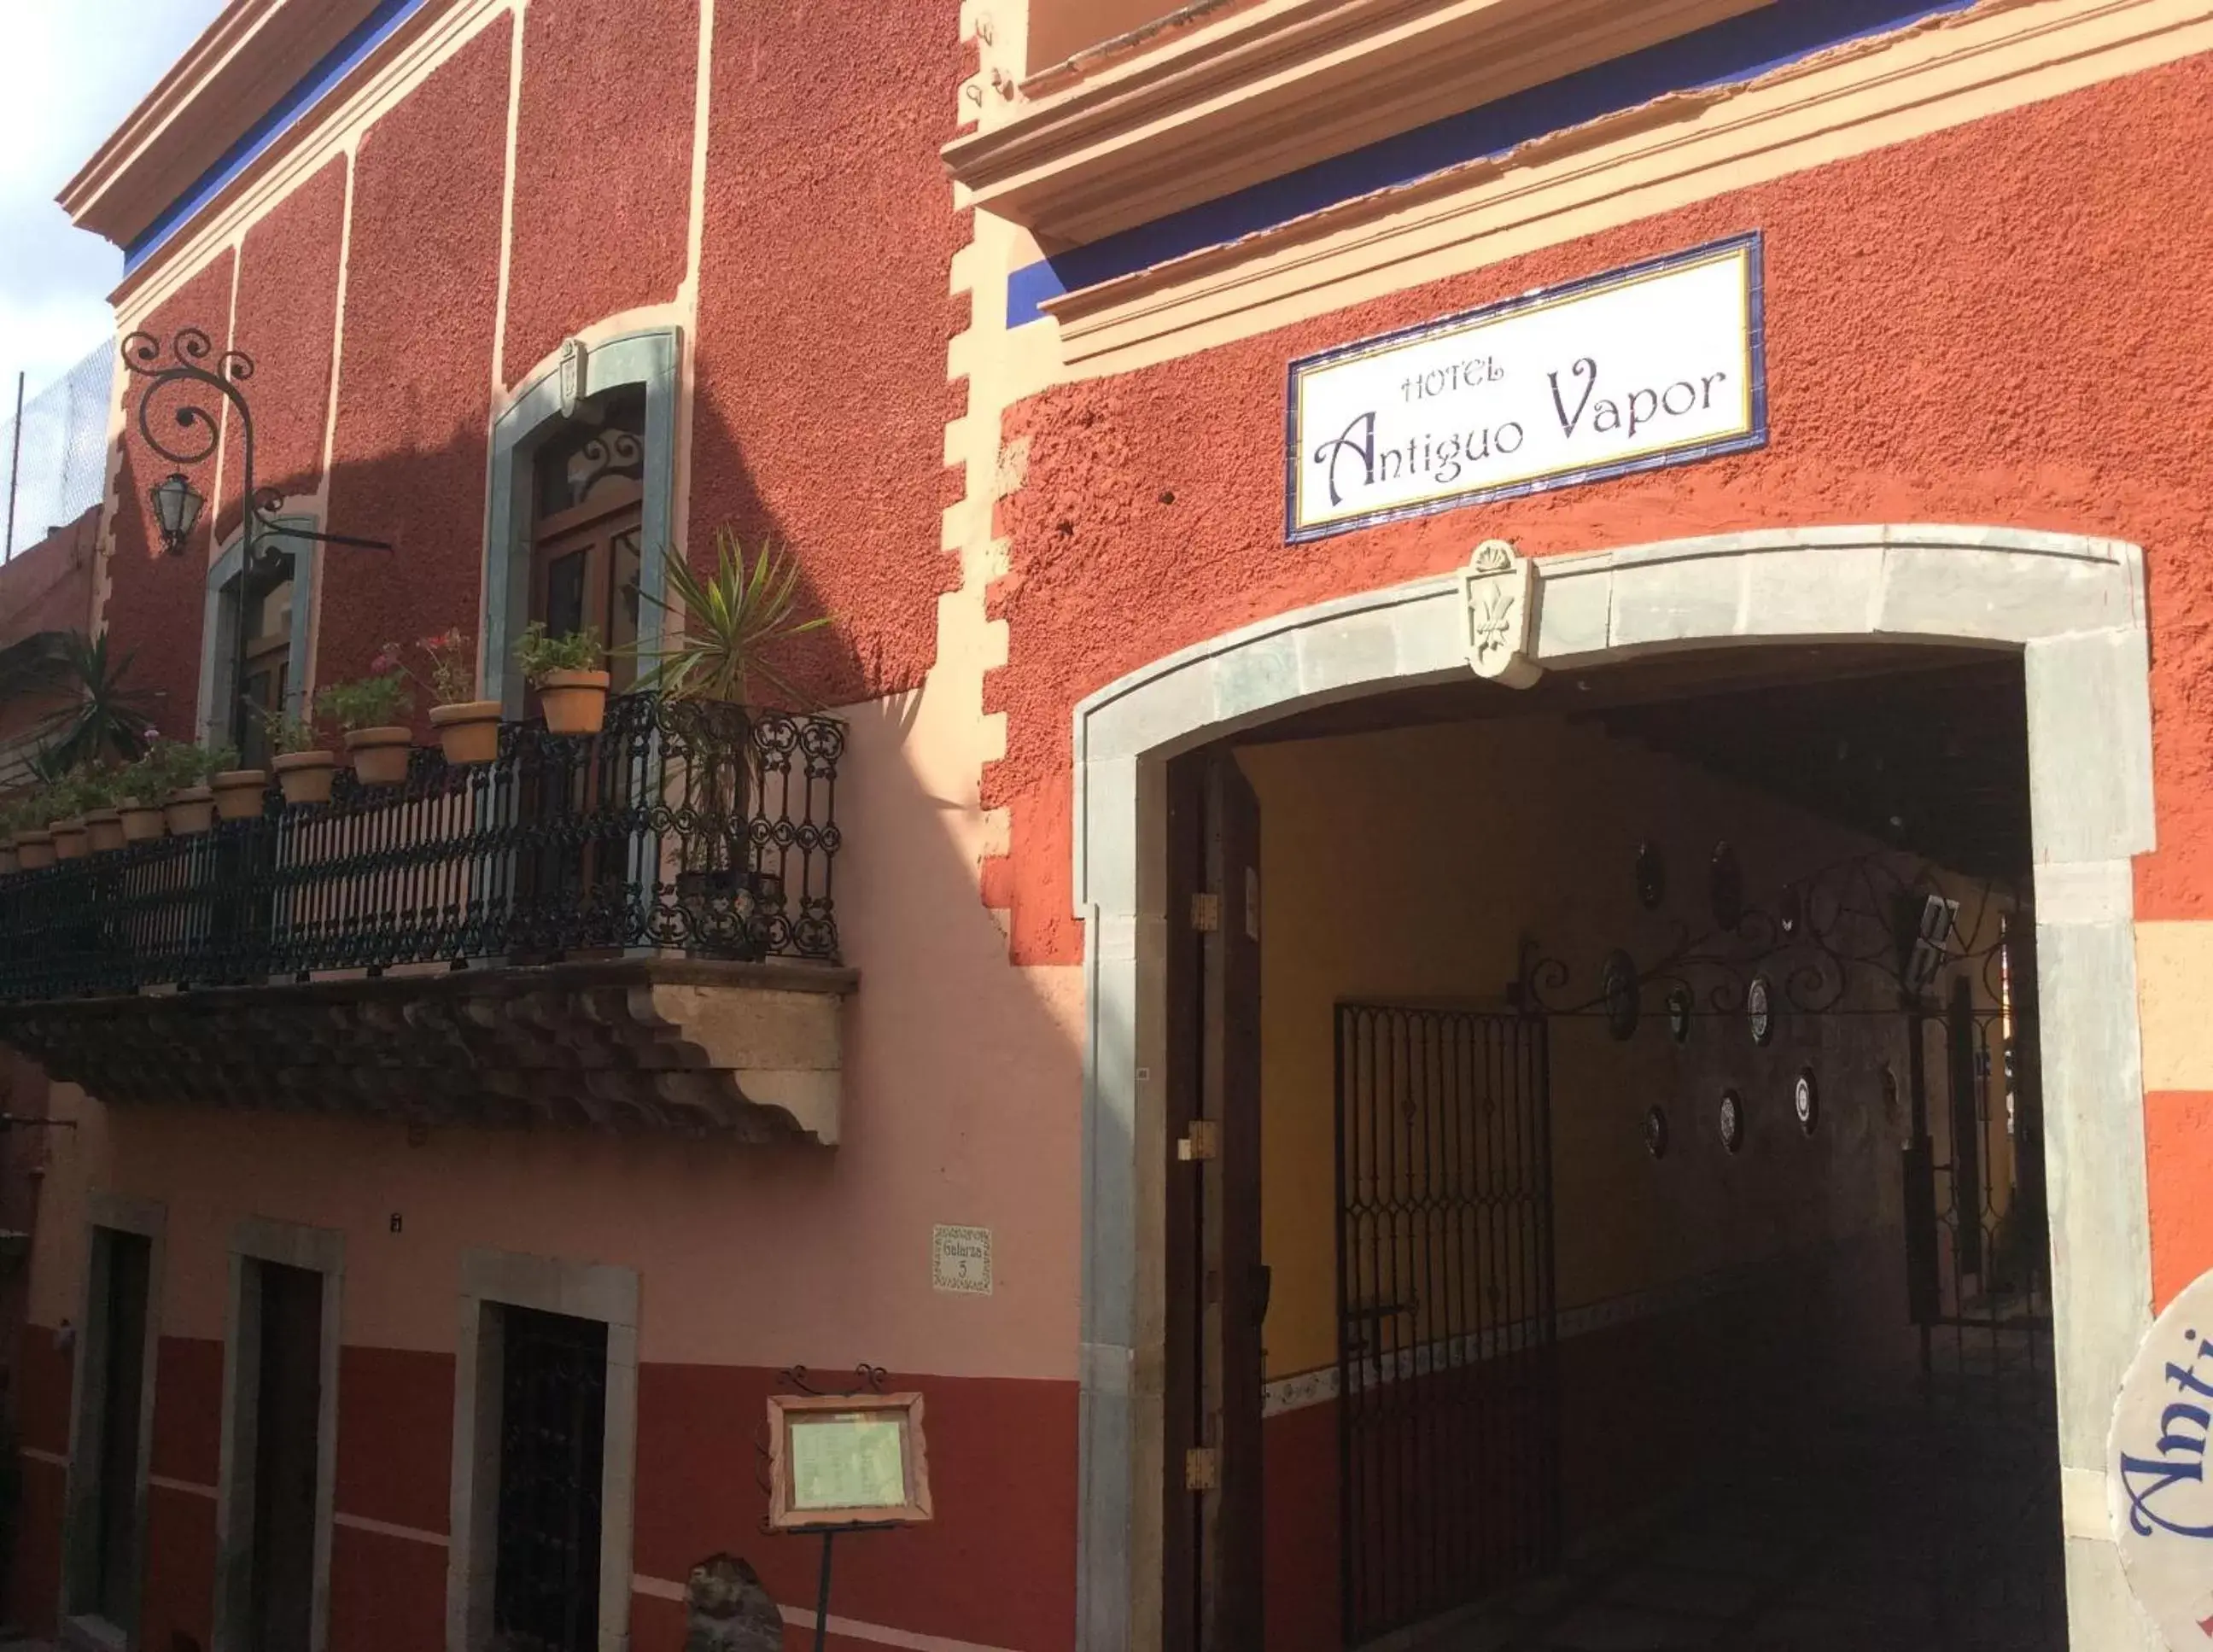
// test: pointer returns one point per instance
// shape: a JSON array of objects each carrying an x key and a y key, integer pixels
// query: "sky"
[{"x": 69, "y": 71}]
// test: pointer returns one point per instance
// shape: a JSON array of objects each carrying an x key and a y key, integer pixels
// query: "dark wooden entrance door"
[
  {"x": 126, "y": 1261},
  {"x": 288, "y": 1412},
  {"x": 553, "y": 1431},
  {"x": 1217, "y": 1287}
]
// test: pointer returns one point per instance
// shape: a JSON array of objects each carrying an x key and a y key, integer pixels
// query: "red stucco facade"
[
  {"x": 1993, "y": 323},
  {"x": 821, "y": 420},
  {"x": 408, "y": 448},
  {"x": 1152, "y": 516}
]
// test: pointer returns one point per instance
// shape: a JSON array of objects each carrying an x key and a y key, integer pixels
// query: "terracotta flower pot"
[
  {"x": 105, "y": 827},
  {"x": 469, "y": 730},
  {"x": 576, "y": 702},
  {"x": 379, "y": 755},
  {"x": 72, "y": 841},
  {"x": 306, "y": 775},
  {"x": 35, "y": 849},
  {"x": 143, "y": 822},
  {"x": 191, "y": 810},
  {"x": 241, "y": 794}
]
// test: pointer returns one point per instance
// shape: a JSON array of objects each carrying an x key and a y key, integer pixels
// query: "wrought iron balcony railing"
[{"x": 701, "y": 829}]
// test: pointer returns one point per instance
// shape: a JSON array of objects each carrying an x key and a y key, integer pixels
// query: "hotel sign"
[
  {"x": 1662, "y": 363},
  {"x": 2158, "y": 1490}
]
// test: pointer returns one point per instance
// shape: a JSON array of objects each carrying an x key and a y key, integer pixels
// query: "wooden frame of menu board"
[{"x": 846, "y": 1460}]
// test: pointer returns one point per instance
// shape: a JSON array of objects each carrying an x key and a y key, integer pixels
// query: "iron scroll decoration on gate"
[{"x": 1874, "y": 921}]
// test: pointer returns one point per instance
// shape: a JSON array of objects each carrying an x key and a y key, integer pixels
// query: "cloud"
[{"x": 71, "y": 71}]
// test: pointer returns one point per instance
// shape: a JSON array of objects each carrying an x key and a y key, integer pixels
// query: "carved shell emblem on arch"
[{"x": 1499, "y": 587}]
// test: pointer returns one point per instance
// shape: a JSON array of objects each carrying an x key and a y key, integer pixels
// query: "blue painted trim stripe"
[
  {"x": 1741, "y": 49},
  {"x": 310, "y": 89}
]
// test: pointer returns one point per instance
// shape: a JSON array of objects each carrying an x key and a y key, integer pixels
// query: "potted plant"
[
  {"x": 66, "y": 807},
  {"x": 369, "y": 709},
  {"x": 103, "y": 820},
  {"x": 239, "y": 794},
  {"x": 305, "y": 766},
  {"x": 468, "y": 728},
  {"x": 34, "y": 848},
  {"x": 142, "y": 789},
  {"x": 189, "y": 804},
  {"x": 725, "y": 626},
  {"x": 12, "y": 823},
  {"x": 569, "y": 674}
]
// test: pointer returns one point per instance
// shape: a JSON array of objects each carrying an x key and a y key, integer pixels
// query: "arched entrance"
[{"x": 2071, "y": 609}]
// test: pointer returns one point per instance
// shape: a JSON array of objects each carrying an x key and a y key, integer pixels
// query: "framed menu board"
[{"x": 846, "y": 1460}]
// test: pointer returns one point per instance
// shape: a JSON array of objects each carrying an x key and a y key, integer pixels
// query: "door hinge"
[
  {"x": 1206, "y": 913},
  {"x": 1203, "y": 1141},
  {"x": 1202, "y": 1469}
]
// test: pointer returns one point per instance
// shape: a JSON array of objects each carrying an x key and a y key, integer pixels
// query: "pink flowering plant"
[{"x": 446, "y": 667}]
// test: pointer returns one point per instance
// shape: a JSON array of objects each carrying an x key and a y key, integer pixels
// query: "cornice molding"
[
  {"x": 1265, "y": 91},
  {"x": 1655, "y": 158},
  {"x": 233, "y": 75}
]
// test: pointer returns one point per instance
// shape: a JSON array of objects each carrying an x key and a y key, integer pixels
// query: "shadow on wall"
[
  {"x": 428, "y": 501},
  {"x": 961, "y": 1106}
]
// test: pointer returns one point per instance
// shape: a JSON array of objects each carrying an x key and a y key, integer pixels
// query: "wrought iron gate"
[{"x": 1448, "y": 1417}]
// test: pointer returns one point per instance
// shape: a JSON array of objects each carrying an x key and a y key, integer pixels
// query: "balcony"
[{"x": 634, "y": 929}]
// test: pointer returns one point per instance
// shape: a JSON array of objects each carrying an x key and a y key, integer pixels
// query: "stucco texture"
[
  {"x": 421, "y": 295},
  {"x": 287, "y": 321},
  {"x": 602, "y": 167},
  {"x": 1981, "y": 325},
  {"x": 2178, "y": 1158},
  {"x": 154, "y": 602},
  {"x": 824, "y": 318}
]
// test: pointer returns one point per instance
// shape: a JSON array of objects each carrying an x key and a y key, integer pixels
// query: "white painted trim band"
[{"x": 388, "y": 1528}]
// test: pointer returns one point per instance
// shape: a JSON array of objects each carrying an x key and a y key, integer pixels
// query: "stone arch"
[{"x": 2072, "y": 606}]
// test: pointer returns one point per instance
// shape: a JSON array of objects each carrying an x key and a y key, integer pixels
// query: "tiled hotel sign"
[
  {"x": 2157, "y": 1483},
  {"x": 1662, "y": 363}
]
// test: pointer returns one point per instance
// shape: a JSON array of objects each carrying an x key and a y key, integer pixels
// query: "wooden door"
[
  {"x": 584, "y": 568},
  {"x": 288, "y": 1407},
  {"x": 1217, "y": 1287}
]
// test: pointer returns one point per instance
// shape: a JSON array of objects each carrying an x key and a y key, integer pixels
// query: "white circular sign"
[{"x": 2160, "y": 1485}]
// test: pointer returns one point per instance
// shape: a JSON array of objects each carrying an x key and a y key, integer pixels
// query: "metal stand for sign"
[{"x": 796, "y": 1381}]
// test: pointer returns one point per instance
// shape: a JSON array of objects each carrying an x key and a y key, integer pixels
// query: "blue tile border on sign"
[{"x": 1741, "y": 49}]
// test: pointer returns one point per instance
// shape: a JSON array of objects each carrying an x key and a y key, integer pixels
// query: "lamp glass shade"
[{"x": 176, "y": 508}]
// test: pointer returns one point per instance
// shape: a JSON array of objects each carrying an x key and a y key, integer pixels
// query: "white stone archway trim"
[{"x": 2072, "y": 606}]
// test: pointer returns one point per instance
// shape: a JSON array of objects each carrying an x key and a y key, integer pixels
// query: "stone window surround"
[
  {"x": 651, "y": 357},
  {"x": 220, "y": 620},
  {"x": 313, "y": 1250},
  {"x": 2072, "y": 607},
  {"x": 586, "y": 1291},
  {"x": 88, "y": 1397}
]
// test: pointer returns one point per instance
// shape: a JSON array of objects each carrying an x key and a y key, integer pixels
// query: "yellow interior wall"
[{"x": 1406, "y": 866}]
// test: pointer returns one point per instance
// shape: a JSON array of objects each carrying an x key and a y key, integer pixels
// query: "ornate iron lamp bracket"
[{"x": 190, "y": 363}]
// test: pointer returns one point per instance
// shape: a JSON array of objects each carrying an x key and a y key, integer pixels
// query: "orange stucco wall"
[
  {"x": 602, "y": 167},
  {"x": 287, "y": 321},
  {"x": 422, "y": 293},
  {"x": 1958, "y": 329}
]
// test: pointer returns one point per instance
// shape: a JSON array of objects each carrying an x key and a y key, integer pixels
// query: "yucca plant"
[
  {"x": 724, "y": 625},
  {"x": 721, "y": 629},
  {"x": 105, "y": 717}
]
